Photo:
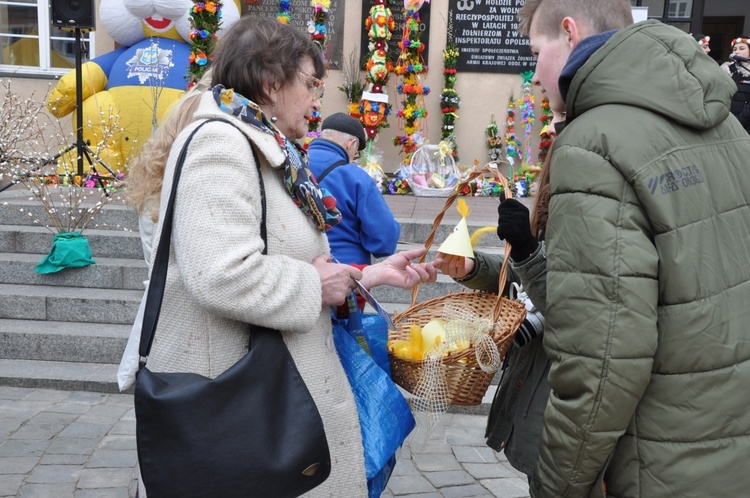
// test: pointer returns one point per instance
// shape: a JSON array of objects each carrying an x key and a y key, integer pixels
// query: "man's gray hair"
[{"x": 336, "y": 136}]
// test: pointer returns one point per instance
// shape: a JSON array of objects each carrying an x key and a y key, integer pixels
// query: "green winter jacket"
[
  {"x": 648, "y": 278},
  {"x": 514, "y": 424}
]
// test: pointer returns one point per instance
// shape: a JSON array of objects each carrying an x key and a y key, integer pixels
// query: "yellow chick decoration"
[
  {"x": 433, "y": 333},
  {"x": 424, "y": 340},
  {"x": 411, "y": 350},
  {"x": 458, "y": 243}
]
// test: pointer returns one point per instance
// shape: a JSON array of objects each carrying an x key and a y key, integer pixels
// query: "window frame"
[
  {"x": 45, "y": 38},
  {"x": 695, "y": 20}
]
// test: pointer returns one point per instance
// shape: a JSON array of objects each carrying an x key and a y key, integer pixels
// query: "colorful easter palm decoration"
[
  {"x": 512, "y": 144},
  {"x": 449, "y": 101},
  {"x": 205, "y": 20},
  {"x": 526, "y": 105},
  {"x": 316, "y": 26},
  {"x": 374, "y": 107},
  {"x": 546, "y": 139},
  {"x": 409, "y": 68},
  {"x": 494, "y": 140},
  {"x": 284, "y": 14},
  {"x": 318, "y": 31}
]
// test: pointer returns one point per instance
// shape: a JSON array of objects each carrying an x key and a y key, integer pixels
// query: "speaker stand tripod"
[{"x": 82, "y": 148}]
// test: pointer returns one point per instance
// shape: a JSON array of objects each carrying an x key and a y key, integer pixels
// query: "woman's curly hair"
[{"x": 143, "y": 185}]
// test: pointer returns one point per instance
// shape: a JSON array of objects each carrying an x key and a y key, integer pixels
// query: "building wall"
[
  {"x": 482, "y": 94},
  {"x": 729, "y": 8}
]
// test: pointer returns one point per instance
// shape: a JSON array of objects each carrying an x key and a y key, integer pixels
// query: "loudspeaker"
[{"x": 72, "y": 14}]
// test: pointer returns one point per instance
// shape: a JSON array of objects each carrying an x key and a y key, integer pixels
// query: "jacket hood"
[{"x": 656, "y": 67}]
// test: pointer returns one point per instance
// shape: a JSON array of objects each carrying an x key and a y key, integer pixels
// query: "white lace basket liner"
[{"x": 489, "y": 321}]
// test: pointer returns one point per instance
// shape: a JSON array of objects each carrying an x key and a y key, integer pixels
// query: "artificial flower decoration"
[
  {"x": 449, "y": 100},
  {"x": 374, "y": 107},
  {"x": 494, "y": 142},
  {"x": 410, "y": 67},
  {"x": 284, "y": 14},
  {"x": 318, "y": 31},
  {"x": 205, "y": 21},
  {"x": 317, "y": 25},
  {"x": 414, "y": 4},
  {"x": 526, "y": 104},
  {"x": 546, "y": 139},
  {"x": 512, "y": 144},
  {"x": 399, "y": 185}
]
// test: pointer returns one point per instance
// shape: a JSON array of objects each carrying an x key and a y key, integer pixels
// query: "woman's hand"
[
  {"x": 453, "y": 266},
  {"x": 399, "y": 271},
  {"x": 336, "y": 280}
]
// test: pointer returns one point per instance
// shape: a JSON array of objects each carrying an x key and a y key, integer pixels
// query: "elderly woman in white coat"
[{"x": 267, "y": 80}]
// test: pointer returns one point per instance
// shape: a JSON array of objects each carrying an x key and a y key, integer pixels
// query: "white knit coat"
[{"x": 218, "y": 282}]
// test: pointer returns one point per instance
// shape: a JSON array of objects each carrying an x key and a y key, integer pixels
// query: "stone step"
[
  {"x": 62, "y": 341},
  {"x": 107, "y": 273},
  {"x": 119, "y": 216},
  {"x": 69, "y": 304},
  {"x": 67, "y": 376},
  {"x": 104, "y": 243},
  {"x": 17, "y": 209}
]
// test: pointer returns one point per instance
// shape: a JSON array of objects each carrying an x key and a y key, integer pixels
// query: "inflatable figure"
[{"x": 132, "y": 86}]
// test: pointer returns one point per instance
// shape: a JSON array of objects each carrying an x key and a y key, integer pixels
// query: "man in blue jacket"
[{"x": 368, "y": 227}]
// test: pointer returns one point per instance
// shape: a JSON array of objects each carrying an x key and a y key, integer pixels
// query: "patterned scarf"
[{"x": 315, "y": 201}]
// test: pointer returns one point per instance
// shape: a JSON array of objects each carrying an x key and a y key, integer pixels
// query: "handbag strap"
[{"x": 161, "y": 259}]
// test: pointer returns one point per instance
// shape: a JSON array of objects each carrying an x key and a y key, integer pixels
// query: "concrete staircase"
[{"x": 68, "y": 330}]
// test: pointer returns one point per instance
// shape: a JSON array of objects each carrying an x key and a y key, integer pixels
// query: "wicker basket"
[{"x": 466, "y": 381}]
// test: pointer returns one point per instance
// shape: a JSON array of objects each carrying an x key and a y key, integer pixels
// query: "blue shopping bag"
[{"x": 384, "y": 415}]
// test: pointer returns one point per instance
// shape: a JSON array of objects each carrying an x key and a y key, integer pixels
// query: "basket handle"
[{"x": 439, "y": 218}]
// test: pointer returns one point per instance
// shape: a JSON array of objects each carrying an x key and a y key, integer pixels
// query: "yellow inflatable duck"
[{"x": 121, "y": 86}]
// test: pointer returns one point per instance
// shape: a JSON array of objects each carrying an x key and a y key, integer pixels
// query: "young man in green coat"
[{"x": 648, "y": 260}]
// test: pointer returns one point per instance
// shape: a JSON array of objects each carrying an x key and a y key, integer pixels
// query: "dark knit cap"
[{"x": 345, "y": 124}]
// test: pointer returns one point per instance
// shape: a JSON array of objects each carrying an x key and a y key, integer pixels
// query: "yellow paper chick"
[{"x": 458, "y": 243}]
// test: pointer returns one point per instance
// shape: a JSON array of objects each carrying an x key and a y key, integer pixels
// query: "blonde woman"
[{"x": 144, "y": 181}]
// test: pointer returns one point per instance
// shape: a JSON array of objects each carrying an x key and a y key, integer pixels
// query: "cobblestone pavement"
[
  {"x": 66, "y": 444},
  {"x": 58, "y": 444}
]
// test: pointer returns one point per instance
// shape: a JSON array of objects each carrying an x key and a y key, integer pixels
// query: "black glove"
[{"x": 514, "y": 227}]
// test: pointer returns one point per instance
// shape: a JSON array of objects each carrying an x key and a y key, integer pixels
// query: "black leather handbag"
[{"x": 253, "y": 431}]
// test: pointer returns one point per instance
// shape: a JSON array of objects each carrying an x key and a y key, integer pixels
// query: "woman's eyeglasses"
[{"x": 316, "y": 87}]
